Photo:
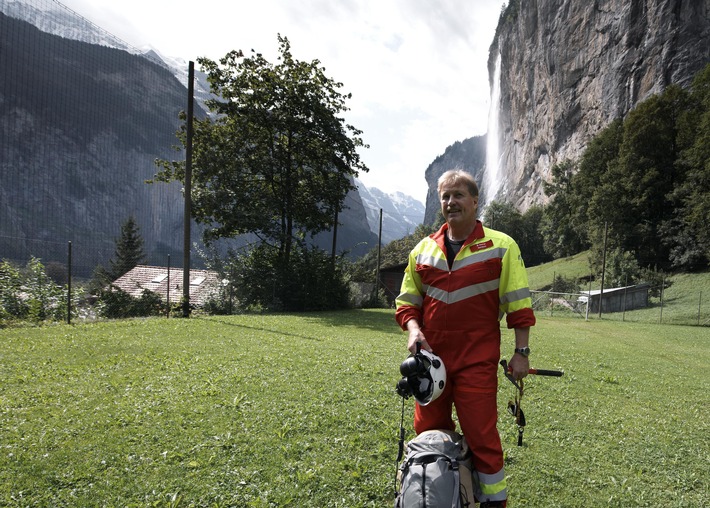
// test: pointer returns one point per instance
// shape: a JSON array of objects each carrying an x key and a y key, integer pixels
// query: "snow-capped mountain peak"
[{"x": 401, "y": 213}]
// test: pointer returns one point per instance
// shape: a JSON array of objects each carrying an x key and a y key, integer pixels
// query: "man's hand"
[
  {"x": 416, "y": 335},
  {"x": 519, "y": 366}
]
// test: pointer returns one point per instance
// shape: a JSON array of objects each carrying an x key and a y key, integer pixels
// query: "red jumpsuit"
[{"x": 459, "y": 311}]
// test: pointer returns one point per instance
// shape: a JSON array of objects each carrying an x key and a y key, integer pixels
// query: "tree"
[
  {"x": 129, "y": 250},
  {"x": 594, "y": 188},
  {"x": 563, "y": 223},
  {"x": 532, "y": 241},
  {"x": 648, "y": 173},
  {"x": 31, "y": 294},
  {"x": 686, "y": 232},
  {"x": 503, "y": 217},
  {"x": 277, "y": 159},
  {"x": 523, "y": 228},
  {"x": 644, "y": 182}
]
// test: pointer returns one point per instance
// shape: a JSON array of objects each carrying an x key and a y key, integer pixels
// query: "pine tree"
[{"x": 129, "y": 249}]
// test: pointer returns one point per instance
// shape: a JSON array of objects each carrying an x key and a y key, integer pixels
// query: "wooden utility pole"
[
  {"x": 335, "y": 236},
  {"x": 188, "y": 194},
  {"x": 379, "y": 249},
  {"x": 69, "y": 263}
]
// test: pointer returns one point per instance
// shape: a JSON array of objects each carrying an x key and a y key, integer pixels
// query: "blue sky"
[{"x": 417, "y": 69}]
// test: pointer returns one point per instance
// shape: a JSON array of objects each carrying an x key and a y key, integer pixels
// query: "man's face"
[{"x": 458, "y": 206}]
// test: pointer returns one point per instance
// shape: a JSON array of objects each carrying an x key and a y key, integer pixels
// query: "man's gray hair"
[{"x": 456, "y": 176}]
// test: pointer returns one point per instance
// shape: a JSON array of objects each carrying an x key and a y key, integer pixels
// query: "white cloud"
[{"x": 416, "y": 68}]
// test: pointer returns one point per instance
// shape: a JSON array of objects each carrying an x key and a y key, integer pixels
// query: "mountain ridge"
[
  {"x": 82, "y": 125},
  {"x": 401, "y": 213}
]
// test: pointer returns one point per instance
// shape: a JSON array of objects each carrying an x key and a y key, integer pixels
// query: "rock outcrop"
[
  {"x": 81, "y": 126},
  {"x": 569, "y": 67},
  {"x": 469, "y": 155}
]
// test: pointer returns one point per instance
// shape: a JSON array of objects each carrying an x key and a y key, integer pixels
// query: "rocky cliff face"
[
  {"x": 469, "y": 155},
  {"x": 81, "y": 125},
  {"x": 80, "y": 128},
  {"x": 569, "y": 67}
]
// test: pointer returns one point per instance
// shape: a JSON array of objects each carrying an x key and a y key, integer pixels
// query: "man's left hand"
[{"x": 519, "y": 366}]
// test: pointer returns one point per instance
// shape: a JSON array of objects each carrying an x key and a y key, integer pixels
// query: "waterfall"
[{"x": 492, "y": 179}]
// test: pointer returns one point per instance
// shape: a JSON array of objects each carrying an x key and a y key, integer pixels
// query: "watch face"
[{"x": 525, "y": 351}]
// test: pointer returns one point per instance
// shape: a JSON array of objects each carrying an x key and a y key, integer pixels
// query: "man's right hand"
[{"x": 416, "y": 335}]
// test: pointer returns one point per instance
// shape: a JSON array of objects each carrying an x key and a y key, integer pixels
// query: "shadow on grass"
[
  {"x": 266, "y": 330},
  {"x": 378, "y": 320}
]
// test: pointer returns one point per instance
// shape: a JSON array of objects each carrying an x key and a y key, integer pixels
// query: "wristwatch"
[{"x": 525, "y": 351}]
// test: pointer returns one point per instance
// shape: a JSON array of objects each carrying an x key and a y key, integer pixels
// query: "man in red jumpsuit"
[{"x": 458, "y": 284}]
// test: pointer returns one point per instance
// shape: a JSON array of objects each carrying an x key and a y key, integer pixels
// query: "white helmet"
[{"x": 424, "y": 377}]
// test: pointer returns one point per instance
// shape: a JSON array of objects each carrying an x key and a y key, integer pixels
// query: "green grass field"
[
  {"x": 686, "y": 300},
  {"x": 286, "y": 410}
]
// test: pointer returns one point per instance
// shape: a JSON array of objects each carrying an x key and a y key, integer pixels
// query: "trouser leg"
[{"x": 477, "y": 412}]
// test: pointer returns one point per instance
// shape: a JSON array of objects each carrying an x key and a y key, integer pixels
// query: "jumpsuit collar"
[{"x": 476, "y": 234}]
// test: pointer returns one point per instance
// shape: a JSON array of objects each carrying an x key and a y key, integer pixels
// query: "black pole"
[
  {"x": 335, "y": 235},
  {"x": 379, "y": 248},
  {"x": 335, "y": 230},
  {"x": 188, "y": 194},
  {"x": 601, "y": 292},
  {"x": 69, "y": 283},
  {"x": 167, "y": 296}
]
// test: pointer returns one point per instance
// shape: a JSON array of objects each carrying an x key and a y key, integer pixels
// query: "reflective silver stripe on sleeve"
[
  {"x": 514, "y": 296},
  {"x": 410, "y": 299},
  {"x": 463, "y": 293}
]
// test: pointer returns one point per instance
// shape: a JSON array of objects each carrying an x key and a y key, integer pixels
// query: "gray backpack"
[{"x": 436, "y": 472}]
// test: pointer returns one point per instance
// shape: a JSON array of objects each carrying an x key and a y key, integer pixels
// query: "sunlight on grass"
[{"x": 279, "y": 410}]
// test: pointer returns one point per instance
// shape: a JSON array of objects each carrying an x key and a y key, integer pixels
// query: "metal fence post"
[
  {"x": 663, "y": 287},
  {"x": 69, "y": 283},
  {"x": 167, "y": 312}
]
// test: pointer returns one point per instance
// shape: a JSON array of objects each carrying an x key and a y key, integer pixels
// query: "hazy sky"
[{"x": 417, "y": 69}]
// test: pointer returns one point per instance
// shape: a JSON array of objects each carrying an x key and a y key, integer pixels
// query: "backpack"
[{"x": 436, "y": 472}]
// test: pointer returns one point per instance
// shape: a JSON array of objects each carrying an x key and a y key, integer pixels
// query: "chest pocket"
[{"x": 478, "y": 272}]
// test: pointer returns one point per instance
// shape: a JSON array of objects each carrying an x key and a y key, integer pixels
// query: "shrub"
[
  {"x": 115, "y": 303},
  {"x": 30, "y": 294},
  {"x": 310, "y": 281}
]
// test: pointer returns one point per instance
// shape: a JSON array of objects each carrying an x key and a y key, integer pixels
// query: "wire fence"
[
  {"x": 618, "y": 304},
  {"x": 87, "y": 255}
]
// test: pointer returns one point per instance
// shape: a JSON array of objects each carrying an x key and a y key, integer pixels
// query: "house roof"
[
  {"x": 638, "y": 287},
  {"x": 155, "y": 278}
]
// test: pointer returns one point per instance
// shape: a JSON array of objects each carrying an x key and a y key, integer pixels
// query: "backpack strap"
[{"x": 457, "y": 483}]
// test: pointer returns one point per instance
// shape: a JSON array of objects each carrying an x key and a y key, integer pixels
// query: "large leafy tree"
[
  {"x": 647, "y": 174},
  {"x": 277, "y": 158},
  {"x": 687, "y": 232}
]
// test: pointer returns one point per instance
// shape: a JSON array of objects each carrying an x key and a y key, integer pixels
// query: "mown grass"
[
  {"x": 573, "y": 267},
  {"x": 285, "y": 410},
  {"x": 686, "y": 299}
]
